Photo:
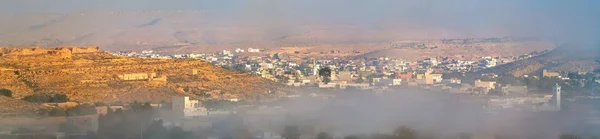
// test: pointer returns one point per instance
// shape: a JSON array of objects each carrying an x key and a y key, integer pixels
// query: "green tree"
[
  {"x": 325, "y": 73},
  {"x": 60, "y": 98},
  {"x": 291, "y": 132},
  {"x": 590, "y": 76},
  {"x": 219, "y": 104},
  {"x": 574, "y": 75},
  {"x": 5, "y": 92},
  {"x": 46, "y": 98}
]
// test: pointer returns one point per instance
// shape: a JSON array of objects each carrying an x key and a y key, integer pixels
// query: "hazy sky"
[{"x": 573, "y": 19}]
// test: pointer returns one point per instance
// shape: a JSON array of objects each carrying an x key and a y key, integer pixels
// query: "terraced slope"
[{"x": 100, "y": 77}]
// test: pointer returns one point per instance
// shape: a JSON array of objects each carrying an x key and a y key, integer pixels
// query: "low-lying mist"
[{"x": 430, "y": 113}]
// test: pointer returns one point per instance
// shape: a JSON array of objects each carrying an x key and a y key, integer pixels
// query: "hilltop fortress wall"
[{"x": 35, "y": 50}]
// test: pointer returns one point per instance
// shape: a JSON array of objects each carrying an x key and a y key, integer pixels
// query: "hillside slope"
[
  {"x": 86, "y": 75},
  {"x": 565, "y": 58},
  {"x": 470, "y": 49},
  {"x": 12, "y": 107}
]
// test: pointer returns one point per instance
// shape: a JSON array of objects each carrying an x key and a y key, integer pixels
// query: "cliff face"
[{"x": 86, "y": 75}]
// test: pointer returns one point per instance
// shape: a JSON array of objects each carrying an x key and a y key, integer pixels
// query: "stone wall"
[
  {"x": 30, "y": 50},
  {"x": 137, "y": 76},
  {"x": 35, "y": 50},
  {"x": 546, "y": 73},
  {"x": 79, "y": 50}
]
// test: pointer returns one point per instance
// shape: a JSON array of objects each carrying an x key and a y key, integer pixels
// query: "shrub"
[
  {"x": 79, "y": 110},
  {"x": 5, "y": 92},
  {"x": 46, "y": 98}
]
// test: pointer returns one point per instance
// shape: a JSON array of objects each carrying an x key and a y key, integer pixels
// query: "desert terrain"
[
  {"x": 189, "y": 31},
  {"x": 564, "y": 59},
  {"x": 86, "y": 75}
]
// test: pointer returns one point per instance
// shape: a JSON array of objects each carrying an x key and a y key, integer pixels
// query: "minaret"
[{"x": 557, "y": 95}]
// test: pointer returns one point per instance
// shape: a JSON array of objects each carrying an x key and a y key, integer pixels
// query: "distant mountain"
[{"x": 195, "y": 31}]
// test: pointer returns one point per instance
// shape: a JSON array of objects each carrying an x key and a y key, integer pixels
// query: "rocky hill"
[
  {"x": 468, "y": 48},
  {"x": 86, "y": 75},
  {"x": 173, "y": 31},
  {"x": 565, "y": 58}
]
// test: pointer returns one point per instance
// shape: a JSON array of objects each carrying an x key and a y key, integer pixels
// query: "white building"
[
  {"x": 396, "y": 82},
  {"x": 147, "y": 52},
  {"x": 557, "y": 96},
  {"x": 225, "y": 52},
  {"x": 238, "y": 50},
  {"x": 184, "y": 107},
  {"x": 195, "y": 55},
  {"x": 356, "y": 85},
  {"x": 329, "y": 85},
  {"x": 489, "y": 62},
  {"x": 389, "y": 82},
  {"x": 252, "y": 50}
]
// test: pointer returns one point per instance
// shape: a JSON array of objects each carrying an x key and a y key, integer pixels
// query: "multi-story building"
[
  {"x": 184, "y": 107},
  {"x": 485, "y": 84}
]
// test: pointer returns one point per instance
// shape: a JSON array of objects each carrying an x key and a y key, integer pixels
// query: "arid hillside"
[
  {"x": 466, "y": 49},
  {"x": 14, "y": 107},
  {"x": 564, "y": 59},
  {"x": 88, "y": 76}
]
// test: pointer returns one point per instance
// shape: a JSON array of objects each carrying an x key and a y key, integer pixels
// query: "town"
[
  {"x": 445, "y": 74},
  {"x": 323, "y": 85},
  {"x": 550, "y": 91}
]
